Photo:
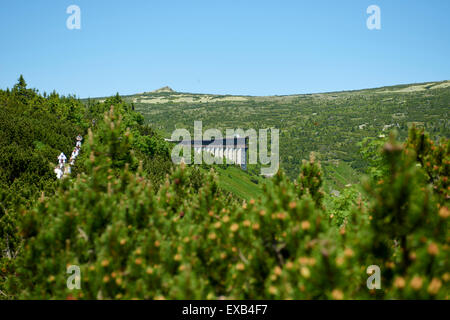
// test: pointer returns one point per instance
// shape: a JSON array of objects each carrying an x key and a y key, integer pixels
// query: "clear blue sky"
[{"x": 227, "y": 47}]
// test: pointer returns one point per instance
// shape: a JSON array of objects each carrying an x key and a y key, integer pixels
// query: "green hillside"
[
  {"x": 329, "y": 124},
  {"x": 248, "y": 185},
  {"x": 242, "y": 184},
  {"x": 338, "y": 175}
]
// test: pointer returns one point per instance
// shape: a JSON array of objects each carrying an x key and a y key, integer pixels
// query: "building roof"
[{"x": 236, "y": 142}]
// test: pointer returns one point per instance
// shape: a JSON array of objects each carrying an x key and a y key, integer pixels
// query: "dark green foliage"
[
  {"x": 310, "y": 180},
  {"x": 35, "y": 129},
  {"x": 409, "y": 217},
  {"x": 433, "y": 157}
]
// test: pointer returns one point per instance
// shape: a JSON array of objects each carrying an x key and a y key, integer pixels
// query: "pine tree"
[{"x": 21, "y": 85}]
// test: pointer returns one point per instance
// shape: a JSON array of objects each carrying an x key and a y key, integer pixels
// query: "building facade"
[{"x": 234, "y": 150}]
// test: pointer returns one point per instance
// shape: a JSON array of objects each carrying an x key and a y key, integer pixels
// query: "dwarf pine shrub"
[{"x": 132, "y": 240}]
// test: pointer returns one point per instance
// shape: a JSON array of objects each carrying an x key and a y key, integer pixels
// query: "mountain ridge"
[{"x": 167, "y": 94}]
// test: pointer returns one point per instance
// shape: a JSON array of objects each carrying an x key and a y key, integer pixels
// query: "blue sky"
[{"x": 226, "y": 47}]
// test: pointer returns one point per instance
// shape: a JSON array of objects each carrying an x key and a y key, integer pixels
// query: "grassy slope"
[
  {"x": 338, "y": 175},
  {"x": 239, "y": 182},
  {"x": 326, "y": 123}
]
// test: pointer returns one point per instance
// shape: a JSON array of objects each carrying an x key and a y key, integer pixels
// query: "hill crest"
[{"x": 163, "y": 89}]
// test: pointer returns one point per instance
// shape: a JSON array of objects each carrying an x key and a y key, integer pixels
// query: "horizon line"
[{"x": 270, "y": 95}]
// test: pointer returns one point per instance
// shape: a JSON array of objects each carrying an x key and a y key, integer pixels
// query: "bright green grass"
[
  {"x": 239, "y": 182},
  {"x": 243, "y": 184},
  {"x": 339, "y": 175}
]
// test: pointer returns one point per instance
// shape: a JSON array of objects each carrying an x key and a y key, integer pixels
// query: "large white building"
[{"x": 234, "y": 150}]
